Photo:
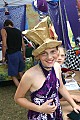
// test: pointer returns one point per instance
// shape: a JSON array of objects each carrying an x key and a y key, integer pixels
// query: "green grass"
[
  {"x": 9, "y": 110},
  {"x": 4, "y": 69}
]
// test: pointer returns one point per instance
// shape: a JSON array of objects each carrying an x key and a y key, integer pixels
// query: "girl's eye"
[
  {"x": 44, "y": 53},
  {"x": 63, "y": 55},
  {"x": 54, "y": 51}
]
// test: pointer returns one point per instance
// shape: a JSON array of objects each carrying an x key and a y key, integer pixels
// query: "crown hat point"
[{"x": 43, "y": 35}]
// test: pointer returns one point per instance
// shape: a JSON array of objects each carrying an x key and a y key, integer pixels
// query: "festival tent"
[
  {"x": 17, "y": 10},
  {"x": 22, "y": 14},
  {"x": 17, "y": 13},
  {"x": 14, "y": 10},
  {"x": 58, "y": 12}
]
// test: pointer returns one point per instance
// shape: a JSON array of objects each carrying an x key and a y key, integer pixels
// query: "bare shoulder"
[
  {"x": 57, "y": 65},
  {"x": 27, "y": 79},
  {"x": 3, "y": 31},
  {"x": 29, "y": 75},
  {"x": 57, "y": 69},
  {"x": 32, "y": 71}
]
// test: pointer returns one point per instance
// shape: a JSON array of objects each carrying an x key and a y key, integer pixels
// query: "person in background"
[
  {"x": 44, "y": 79},
  {"x": 12, "y": 43},
  {"x": 61, "y": 60}
]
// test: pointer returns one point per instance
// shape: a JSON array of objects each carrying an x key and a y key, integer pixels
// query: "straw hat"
[{"x": 43, "y": 35}]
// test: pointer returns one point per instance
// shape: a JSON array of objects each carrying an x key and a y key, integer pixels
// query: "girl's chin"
[{"x": 49, "y": 65}]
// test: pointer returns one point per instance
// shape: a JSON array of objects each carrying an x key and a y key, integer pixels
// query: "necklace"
[
  {"x": 46, "y": 72},
  {"x": 45, "y": 66}
]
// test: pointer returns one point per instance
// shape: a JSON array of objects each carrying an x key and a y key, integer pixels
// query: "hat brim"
[{"x": 48, "y": 44}]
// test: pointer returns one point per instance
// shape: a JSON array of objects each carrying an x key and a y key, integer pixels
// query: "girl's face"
[
  {"x": 61, "y": 57},
  {"x": 48, "y": 57}
]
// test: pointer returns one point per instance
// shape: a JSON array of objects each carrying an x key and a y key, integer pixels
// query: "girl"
[
  {"x": 44, "y": 79},
  {"x": 60, "y": 60}
]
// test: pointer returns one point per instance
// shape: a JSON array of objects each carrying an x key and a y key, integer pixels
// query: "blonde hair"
[{"x": 62, "y": 48}]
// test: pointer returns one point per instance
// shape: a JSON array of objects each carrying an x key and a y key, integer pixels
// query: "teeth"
[{"x": 49, "y": 61}]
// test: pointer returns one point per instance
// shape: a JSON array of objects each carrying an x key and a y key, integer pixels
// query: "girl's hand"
[
  {"x": 48, "y": 107},
  {"x": 76, "y": 98},
  {"x": 77, "y": 108}
]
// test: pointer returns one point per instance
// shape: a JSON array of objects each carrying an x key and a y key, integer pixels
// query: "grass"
[
  {"x": 9, "y": 110},
  {"x": 4, "y": 69}
]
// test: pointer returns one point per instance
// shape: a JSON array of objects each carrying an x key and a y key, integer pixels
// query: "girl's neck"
[
  {"x": 45, "y": 71},
  {"x": 46, "y": 68}
]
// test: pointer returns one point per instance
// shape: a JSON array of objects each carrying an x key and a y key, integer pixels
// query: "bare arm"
[
  {"x": 22, "y": 89},
  {"x": 23, "y": 47},
  {"x": 4, "y": 45},
  {"x": 63, "y": 91}
]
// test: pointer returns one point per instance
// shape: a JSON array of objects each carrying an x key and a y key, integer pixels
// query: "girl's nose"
[
  {"x": 59, "y": 57},
  {"x": 49, "y": 56}
]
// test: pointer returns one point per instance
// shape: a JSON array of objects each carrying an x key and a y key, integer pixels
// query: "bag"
[
  {"x": 41, "y": 5},
  {"x": 74, "y": 116}
]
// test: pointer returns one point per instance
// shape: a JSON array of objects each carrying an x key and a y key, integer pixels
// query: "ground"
[{"x": 9, "y": 110}]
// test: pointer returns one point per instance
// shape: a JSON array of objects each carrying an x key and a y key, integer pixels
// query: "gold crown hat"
[{"x": 43, "y": 35}]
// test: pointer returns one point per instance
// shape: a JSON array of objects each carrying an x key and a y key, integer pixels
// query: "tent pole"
[{"x": 62, "y": 23}]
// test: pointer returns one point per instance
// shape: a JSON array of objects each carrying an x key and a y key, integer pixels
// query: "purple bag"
[{"x": 42, "y": 5}]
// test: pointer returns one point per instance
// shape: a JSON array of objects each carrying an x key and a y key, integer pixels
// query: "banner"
[
  {"x": 17, "y": 14},
  {"x": 32, "y": 16},
  {"x": 72, "y": 14},
  {"x": 58, "y": 17}
]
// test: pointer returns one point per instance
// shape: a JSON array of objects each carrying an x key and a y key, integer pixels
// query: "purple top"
[{"x": 49, "y": 90}]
